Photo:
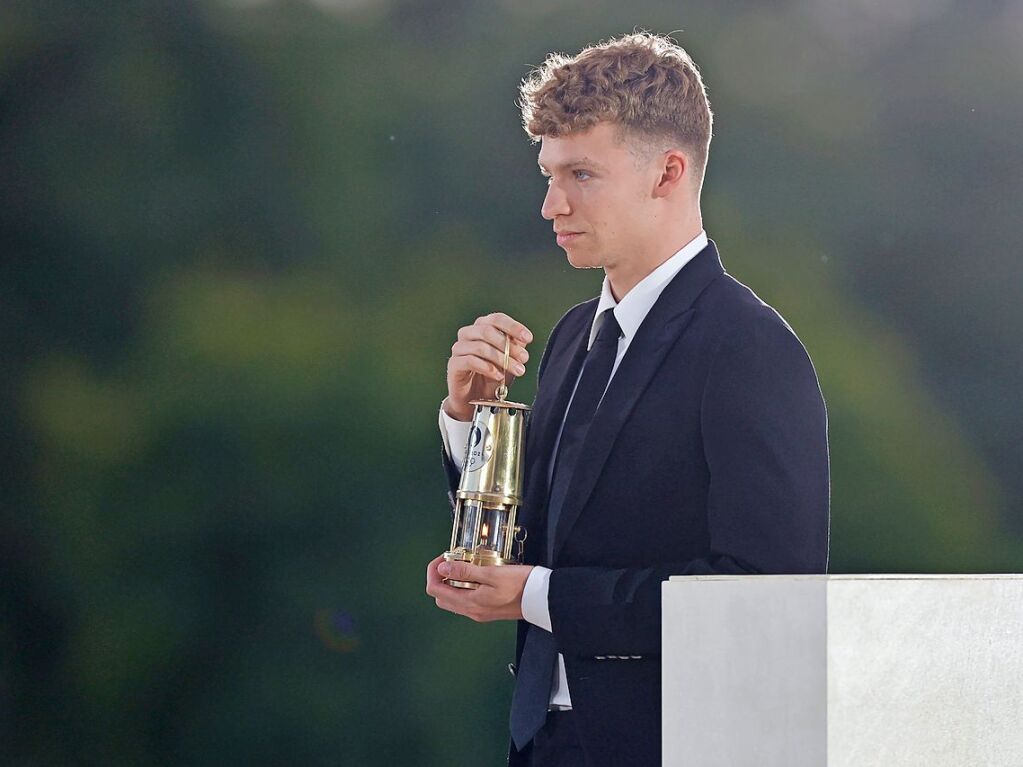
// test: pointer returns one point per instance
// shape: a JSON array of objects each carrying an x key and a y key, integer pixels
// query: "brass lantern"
[{"x": 490, "y": 490}]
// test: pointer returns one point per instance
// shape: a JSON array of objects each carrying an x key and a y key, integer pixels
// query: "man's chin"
[{"x": 582, "y": 260}]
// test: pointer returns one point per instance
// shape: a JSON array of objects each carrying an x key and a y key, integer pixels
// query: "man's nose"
[{"x": 555, "y": 203}]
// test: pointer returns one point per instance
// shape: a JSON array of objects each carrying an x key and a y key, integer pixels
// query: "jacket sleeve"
[{"x": 764, "y": 431}]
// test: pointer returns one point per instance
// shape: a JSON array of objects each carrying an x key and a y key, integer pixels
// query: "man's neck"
[{"x": 627, "y": 274}]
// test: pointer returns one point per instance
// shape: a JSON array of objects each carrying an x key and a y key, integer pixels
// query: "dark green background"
[{"x": 238, "y": 239}]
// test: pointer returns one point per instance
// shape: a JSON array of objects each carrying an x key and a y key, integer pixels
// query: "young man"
[{"x": 678, "y": 426}]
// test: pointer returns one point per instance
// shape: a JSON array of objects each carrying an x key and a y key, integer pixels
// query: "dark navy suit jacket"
[{"x": 708, "y": 454}]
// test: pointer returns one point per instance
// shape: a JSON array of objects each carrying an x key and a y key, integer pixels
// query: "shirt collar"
[{"x": 633, "y": 308}]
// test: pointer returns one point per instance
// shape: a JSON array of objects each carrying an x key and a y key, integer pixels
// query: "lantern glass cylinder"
[
  {"x": 468, "y": 529},
  {"x": 482, "y": 531},
  {"x": 494, "y": 532}
]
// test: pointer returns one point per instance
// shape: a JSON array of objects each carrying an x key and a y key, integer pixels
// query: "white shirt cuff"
[
  {"x": 455, "y": 433},
  {"x": 534, "y": 598}
]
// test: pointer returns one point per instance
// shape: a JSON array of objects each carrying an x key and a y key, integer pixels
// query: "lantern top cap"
[{"x": 500, "y": 403}]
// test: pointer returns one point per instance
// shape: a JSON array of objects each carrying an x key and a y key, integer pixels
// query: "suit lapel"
[
  {"x": 662, "y": 327},
  {"x": 549, "y": 406}
]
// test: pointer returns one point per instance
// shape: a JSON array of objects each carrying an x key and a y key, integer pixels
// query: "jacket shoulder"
[
  {"x": 745, "y": 331},
  {"x": 736, "y": 310}
]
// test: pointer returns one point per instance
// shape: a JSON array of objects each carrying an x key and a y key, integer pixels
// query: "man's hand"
[
  {"x": 477, "y": 359},
  {"x": 499, "y": 596}
]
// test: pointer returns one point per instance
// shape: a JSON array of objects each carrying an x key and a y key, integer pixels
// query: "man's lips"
[{"x": 566, "y": 237}]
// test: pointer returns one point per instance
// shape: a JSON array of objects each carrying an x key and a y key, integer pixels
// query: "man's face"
[{"x": 599, "y": 202}]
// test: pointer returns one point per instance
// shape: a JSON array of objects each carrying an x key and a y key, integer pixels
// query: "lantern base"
[
  {"x": 459, "y": 555},
  {"x": 483, "y": 558}
]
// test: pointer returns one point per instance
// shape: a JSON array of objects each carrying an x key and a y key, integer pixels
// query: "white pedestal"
[{"x": 843, "y": 671}]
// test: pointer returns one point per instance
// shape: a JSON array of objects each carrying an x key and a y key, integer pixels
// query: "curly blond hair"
[{"x": 644, "y": 83}]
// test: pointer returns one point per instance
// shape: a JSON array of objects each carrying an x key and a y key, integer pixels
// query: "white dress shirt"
[{"x": 630, "y": 313}]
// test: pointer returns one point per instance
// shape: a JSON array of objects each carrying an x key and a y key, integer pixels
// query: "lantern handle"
[{"x": 502, "y": 390}]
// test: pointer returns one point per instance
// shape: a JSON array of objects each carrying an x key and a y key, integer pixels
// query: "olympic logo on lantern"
[{"x": 480, "y": 448}]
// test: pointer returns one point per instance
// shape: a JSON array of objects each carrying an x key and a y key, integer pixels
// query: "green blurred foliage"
[{"x": 239, "y": 239}]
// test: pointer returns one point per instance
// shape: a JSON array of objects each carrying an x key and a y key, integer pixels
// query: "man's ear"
[{"x": 674, "y": 169}]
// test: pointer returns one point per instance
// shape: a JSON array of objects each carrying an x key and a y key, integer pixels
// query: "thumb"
[{"x": 462, "y": 571}]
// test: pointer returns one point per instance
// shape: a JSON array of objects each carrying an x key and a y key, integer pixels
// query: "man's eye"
[{"x": 583, "y": 173}]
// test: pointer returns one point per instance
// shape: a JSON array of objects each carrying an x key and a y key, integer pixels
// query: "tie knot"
[{"x": 610, "y": 331}]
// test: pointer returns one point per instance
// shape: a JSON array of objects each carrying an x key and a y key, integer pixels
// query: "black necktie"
[
  {"x": 588, "y": 393},
  {"x": 539, "y": 653}
]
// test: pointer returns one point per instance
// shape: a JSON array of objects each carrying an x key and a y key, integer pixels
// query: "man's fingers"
[
  {"x": 484, "y": 351},
  {"x": 506, "y": 324},
  {"x": 433, "y": 578},
  {"x": 495, "y": 338},
  {"x": 480, "y": 349},
  {"x": 438, "y": 570},
  {"x": 472, "y": 364},
  {"x": 464, "y": 571}
]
